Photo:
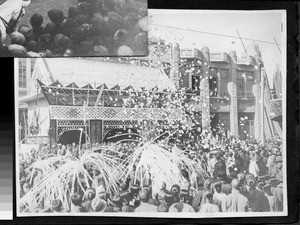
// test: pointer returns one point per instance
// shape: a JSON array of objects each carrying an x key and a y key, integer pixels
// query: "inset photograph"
[{"x": 55, "y": 28}]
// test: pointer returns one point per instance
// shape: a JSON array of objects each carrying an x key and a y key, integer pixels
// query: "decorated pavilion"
[{"x": 68, "y": 95}]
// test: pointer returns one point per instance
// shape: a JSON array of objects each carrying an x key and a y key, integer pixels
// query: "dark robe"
[{"x": 258, "y": 202}]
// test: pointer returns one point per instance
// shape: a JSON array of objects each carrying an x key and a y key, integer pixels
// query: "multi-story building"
[{"x": 228, "y": 85}]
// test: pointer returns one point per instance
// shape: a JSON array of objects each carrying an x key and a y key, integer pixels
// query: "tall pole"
[
  {"x": 262, "y": 73},
  {"x": 242, "y": 42}
]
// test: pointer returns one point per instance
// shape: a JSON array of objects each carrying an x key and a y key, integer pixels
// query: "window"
[{"x": 22, "y": 73}]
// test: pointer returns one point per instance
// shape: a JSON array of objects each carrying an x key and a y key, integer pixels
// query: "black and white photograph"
[
  {"x": 66, "y": 28},
  {"x": 196, "y": 129}
]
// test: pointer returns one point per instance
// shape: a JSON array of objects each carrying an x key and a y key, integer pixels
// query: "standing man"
[
  {"x": 236, "y": 202},
  {"x": 257, "y": 200}
]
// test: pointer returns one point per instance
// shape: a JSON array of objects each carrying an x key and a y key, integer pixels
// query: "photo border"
[{"x": 291, "y": 140}]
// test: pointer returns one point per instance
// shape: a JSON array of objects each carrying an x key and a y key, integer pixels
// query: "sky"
[{"x": 258, "y": 25}]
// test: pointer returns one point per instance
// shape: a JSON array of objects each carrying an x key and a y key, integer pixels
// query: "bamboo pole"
[{"x": 262, "y": 105}]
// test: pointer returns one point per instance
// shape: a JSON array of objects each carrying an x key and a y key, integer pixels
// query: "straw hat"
[
  {"x": 98, "y": 205},
  {"x": 56, "y": 204}
]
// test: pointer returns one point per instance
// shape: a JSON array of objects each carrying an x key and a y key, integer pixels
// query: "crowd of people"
[
  {"x": 242, "y": 176},
  {"x": 92, "y": 28}
]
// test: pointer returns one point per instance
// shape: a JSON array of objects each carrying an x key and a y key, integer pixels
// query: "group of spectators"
[
  {"x": 242, "y": 176},
  {"x": 92, "y": 28}
]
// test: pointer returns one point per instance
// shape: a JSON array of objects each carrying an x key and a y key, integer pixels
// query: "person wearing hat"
[
  {"x": 226, "y": 187},
  {"x": 272, "y": 165},
  {"x": 208, "y": 206},
  {"x": 56, "y": 16},
  {"x": 163, "y": 207},
  {"x": 51, "y": 29},
  {"x": 198, "y": 200},
  {"x": 68, "y": 53},
  {"x": 245, "y": 161},
  {"x": 219, "y": 197},
  {"x": 44, "y": 42},
  {"x": 115, "y": 22},
  {"x": 32, "y": 46},
  {"x": 37, "y": 177},
  {"x": 90, "y": 194},
  {"x": 128, "y": 202},
  {"x": 124, "y": 50},
  {"x": 180, "y": 204},
  {"x": 279, "y": 174},
  {"x": 134, "y": 189},
  {"x": 277, "y": 192},
  {"x": 72, "y": 12},
  {"x": 67, "y": 26},
  {"x": 262, "y": 163},
  {"x": 26, "y": 31},
  {"x": 273, "y": 201},
  {"x": 98, "y": 205},
  {"x": 236, "y": 202},
  {"x": 144, "y": 205},
  {"x": 76, "y": 199},
  {"x": 175, "y": 189},
  {"x": 56, "y": 206},
  {"x": 169, "y": 199},
  {"x": 151, "y": 199},
  {"x": 17, "y": 50},
  {"x": 257, "y": 200},
  {"x": 17, "y": 38},
  {"x": 230, "y": 162},
  {"x": 62, "y": 42},
  {"x": 219, "y": 165},
  {"x": 131, "y": 20}
]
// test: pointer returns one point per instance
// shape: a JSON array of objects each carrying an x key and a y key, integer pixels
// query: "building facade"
[
  {"x": 23, "y": 69},
  {"x": 228, "y": 85}
]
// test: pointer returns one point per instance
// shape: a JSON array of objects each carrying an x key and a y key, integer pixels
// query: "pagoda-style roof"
[{"x": 63, "y": 71}]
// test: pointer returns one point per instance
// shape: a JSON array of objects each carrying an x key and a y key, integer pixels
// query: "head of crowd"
[
  {"x": 241, "y": 176},
  {"x": 90, "y": 28}
]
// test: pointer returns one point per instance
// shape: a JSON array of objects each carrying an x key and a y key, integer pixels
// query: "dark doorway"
[
  {"x": 70, "y": 136},
  {"x": 214, "y": 123},
  {"x": 120, "y": 134},
  {"x": 213, "y": 86}
]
